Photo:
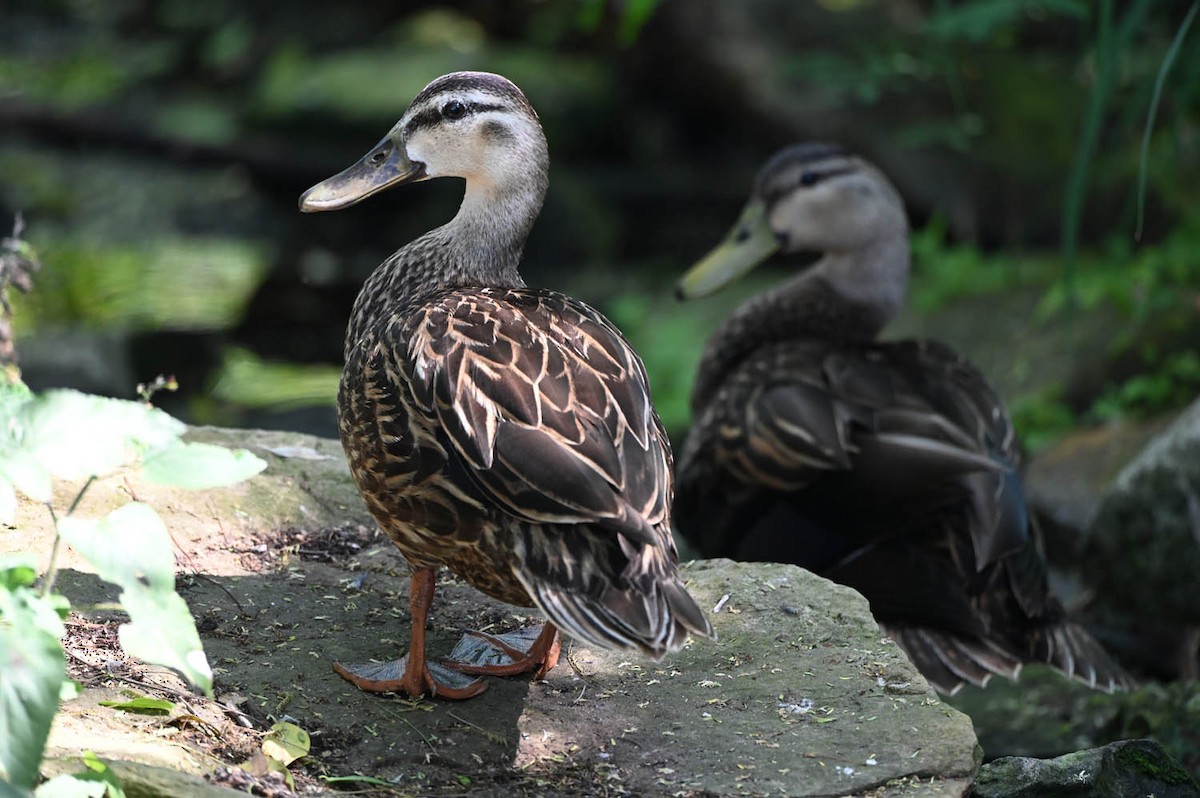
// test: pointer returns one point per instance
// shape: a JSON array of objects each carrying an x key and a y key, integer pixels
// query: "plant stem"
[
  {"x": 1168, "y": 62},
  {"x": 79, "y": 496},
  {"x": 52, "y": 567}
]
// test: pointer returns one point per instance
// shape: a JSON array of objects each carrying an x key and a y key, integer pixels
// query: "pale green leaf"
[
  {"x": 26, "y": 474},
  {"x": 200, "y": 465},
  {"x": 73, "y": 785},
  {"x": 98, "y": 780},
  {"x": 161, "y": 631},
  {"x": 129, "y": 547},
  {"x": 32, "y": 669},
  {"x": 75, "y": 435},
  {"x": 17, "y": 570},
  {"x": 71, "y": 690},
  {"x": 142, "y": 704},
  {"x": 13, "y": 396},
  {"x": 9, "y": 791},
  {"x": 286, "y": 742}
]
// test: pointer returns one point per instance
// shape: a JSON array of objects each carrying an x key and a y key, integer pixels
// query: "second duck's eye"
[
  {"x": 454, "y": 110},
  {"x": 809, "y": 178}
]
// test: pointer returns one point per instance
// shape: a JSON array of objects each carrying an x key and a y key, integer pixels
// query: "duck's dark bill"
[{"x": 384, "y": 166}]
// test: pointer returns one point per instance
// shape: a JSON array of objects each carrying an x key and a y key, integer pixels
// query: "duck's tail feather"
[
  {"x": 654, "y": 621},
  {"x": 1070, "y": 649},
  {"x": 948, "y": 660}
]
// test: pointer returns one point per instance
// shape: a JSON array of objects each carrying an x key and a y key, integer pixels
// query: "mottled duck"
[
  {"x": 891, "y": 467},
  {"x": 501, "y": 431}
]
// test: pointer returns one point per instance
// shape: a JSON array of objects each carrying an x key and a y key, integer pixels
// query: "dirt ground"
[{"x": 271, "y": 634}]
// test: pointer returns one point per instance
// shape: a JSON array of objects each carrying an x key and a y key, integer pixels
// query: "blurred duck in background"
[{"x": 891, "y": 467}]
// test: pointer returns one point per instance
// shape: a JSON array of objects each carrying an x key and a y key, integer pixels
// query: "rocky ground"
[{"x": 801, "y": 694}]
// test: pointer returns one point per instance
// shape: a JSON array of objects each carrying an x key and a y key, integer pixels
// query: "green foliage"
[
  {"x": 96, "y": 781},
  {"x": 1152, "y": 288},
  {"x": 249, "y": 381},
  {"x": 32, "y": 670},
  {"x": 1173, "y": 383},
  {"x": 633, "y": 14},
  {"x": 669, "y": 340},
  {"x": 71, "y": 436},
  {"x": 944, "y": 272},
  {"x": 131, "y": 548},
  {"x": 175, "y": 284},
  {"x": 983, "y": 20}
]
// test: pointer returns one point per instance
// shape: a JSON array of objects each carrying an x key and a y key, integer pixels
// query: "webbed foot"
[
  {"x": 396, "y": 677},
  {"x": 521, "y": 651}
]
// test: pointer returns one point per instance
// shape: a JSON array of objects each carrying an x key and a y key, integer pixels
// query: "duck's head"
[
  {"x": 807, "y": 197},
  {"x": 473, "y": 125}
]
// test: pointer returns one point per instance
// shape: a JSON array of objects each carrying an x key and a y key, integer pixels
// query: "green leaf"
[
  {"x": 23, "y": 471},
  {"x": 12, "y": 397},
  {"x": 17, "y": 571},
  {"x": 9, "y": 791},
  {"x": 285, "y": 743},
  {"x": 161, "y": 630},
  {"x": 142, "y": 704},
  {"x": 98, "y": 780},
  {"x": 131, "y": 548},
  {"x": 73, "y": 785},
  {"x": 73, "y": 435},
  {"x": 200, "y": 465},
  {"x": 32, "y": 670}
]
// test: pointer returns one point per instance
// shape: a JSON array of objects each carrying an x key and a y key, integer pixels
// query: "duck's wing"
[
  {"x": 891, "y": 468},
  {"x": 895, "y": 422},
  {"x": 545, "y": 411}
]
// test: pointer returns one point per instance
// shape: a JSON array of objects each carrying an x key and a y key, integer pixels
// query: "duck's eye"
[
  {"x": 454, "y": 110},
  {"x": 809, "y": 178}
]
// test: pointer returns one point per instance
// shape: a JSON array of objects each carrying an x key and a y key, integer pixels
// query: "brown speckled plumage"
[{"x": 501, "y": 431}]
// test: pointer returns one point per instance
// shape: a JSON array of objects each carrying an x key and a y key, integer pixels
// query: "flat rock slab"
[{"x": 801, "y": 695}]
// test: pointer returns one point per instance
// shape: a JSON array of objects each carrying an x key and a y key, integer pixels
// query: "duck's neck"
[
  {"x": 480, "y": 247},
  {"x": 845, "y": 297}
]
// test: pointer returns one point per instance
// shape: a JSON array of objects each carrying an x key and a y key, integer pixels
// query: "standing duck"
[
  {"x": 501, "y": 431},
  {"x": 891, "y": 467}
]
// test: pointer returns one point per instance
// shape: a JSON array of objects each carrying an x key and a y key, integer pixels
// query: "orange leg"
[
  {"x": 541, "y": 657},
  {"x": 413, "y": 674}
]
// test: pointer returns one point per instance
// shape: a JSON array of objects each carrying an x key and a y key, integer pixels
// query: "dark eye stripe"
[
  {"x": 776, "y": 190},
  {"x": 432, "y": 116}
]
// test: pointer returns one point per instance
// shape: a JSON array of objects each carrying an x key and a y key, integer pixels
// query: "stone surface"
[
  {"x": 1128, "y": 768},
  {"x": 1141, "y": 554},
  {"x": 1066, "y": 483},
  {"x": 801, "y": 695}
]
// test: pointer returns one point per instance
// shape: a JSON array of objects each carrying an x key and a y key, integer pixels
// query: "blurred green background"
[{"x": 156, "y": 149}]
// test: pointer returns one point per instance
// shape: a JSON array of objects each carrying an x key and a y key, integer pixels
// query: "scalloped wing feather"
[
  {"x": 899, "y": 419},
  {"x": 546, "y": 403}
]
